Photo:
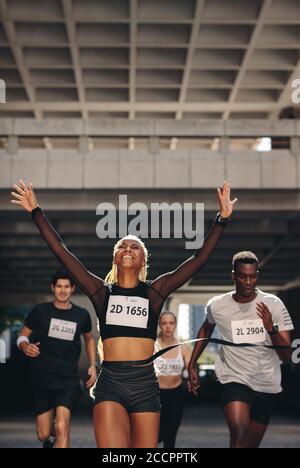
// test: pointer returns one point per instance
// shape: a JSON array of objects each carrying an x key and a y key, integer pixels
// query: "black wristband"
[
  {"x": 274, "y": 331},
  {"x": 221, "y": 220},
  {"x": 35, "y": 211}
]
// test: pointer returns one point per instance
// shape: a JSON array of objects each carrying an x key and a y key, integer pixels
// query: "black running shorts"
[
  {"x": 49, "y": 399},
  {"x": 135, "y": 388},
  {"x": 261, "y": 404}
]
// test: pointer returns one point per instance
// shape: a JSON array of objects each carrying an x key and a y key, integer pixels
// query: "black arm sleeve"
[
  {"x": 31, "y": 320},
  {"x": 88, "y": 324},
  {"x": 88, "y": 282},
  {"x": 169, "y": 282}
]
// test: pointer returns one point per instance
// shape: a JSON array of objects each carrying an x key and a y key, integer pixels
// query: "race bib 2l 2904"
[{"x": 248, "y": 331}]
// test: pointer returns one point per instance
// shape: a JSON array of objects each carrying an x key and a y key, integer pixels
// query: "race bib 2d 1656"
[
  {"x": 248, "y": 331},
  {"x": 62, "y": 329},
  {"x": 128, "y": 311}
]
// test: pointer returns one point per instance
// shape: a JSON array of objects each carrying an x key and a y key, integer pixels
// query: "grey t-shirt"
[{"x": 258, "y": 368}]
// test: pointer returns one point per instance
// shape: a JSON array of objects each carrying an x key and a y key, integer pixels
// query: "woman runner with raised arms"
[{"x": 127, "y": 405}]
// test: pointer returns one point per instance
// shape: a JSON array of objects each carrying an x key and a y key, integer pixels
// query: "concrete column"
[
  {"x": 295, "y": 145},
  {"x": 154, "y": 145},
  {"x": 225, "y": 151},
  {"x": 13, "y": 145},
  {"x": 224, "y": 145},
  {"x": 83, "y": 145}
]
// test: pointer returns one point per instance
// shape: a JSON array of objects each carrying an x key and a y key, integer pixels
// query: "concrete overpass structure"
[
  {"x": 71, "y": 183},
  {"x": 149, "y": 59},
  {"x": 161, "y": 100}
]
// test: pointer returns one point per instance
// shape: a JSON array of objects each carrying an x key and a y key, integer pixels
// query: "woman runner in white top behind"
[{"x": 169, "y": 370}]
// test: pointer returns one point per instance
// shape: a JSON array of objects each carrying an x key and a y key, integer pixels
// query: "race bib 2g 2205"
[
  {"x": 62, "y": 329},
  {"x": 128, "y": 311},
  {"x": 248, "y": 331}
]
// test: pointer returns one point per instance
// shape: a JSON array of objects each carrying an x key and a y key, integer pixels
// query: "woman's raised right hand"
[{"x": 24, "y": 196}]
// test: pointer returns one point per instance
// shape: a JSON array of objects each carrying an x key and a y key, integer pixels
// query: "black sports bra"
[{"x": 128, "y": 312}]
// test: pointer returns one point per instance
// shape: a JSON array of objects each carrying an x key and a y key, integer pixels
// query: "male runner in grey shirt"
[{"x": 250, "y": 377}]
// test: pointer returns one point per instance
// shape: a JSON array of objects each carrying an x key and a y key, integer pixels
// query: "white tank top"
[{"x": 168, "y": 367}]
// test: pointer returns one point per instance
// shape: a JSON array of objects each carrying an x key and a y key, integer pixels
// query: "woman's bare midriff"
[
  {"x": 127, "y": 349},
  {"x": 169, "y": 382}
]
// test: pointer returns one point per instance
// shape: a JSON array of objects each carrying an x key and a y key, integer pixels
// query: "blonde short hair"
[{"x": 112, "y": 276}]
